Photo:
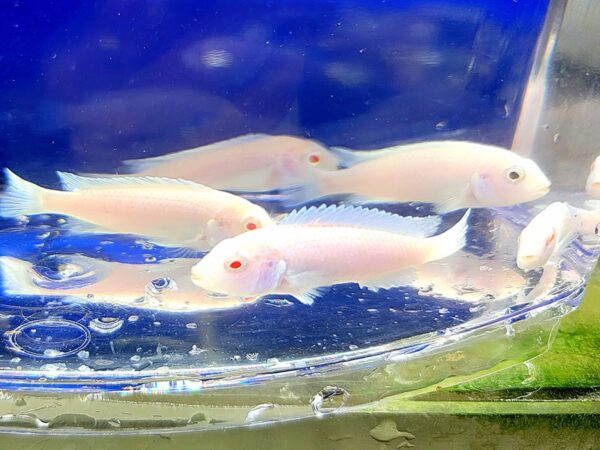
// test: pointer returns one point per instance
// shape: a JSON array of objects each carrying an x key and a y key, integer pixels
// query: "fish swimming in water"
[
  {"x": 550, "y": 231},
  {"x": 252, "y": 163},
  {"x": 168, "y": 212},
  {"x": 317, "y": 247},
  {"x": 449, "y": 174},
  {"x": 165, "y": 286}
]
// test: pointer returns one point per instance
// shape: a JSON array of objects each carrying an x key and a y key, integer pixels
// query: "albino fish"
[
  {"x": 317, "y": 247},
  {"x": 450, "y": 174},
  {"x": 165, "y": 286},
  {"x": 251, "y": 163},
  {"x": 592, "y": 184},
  {"x": 549, "y": 232},
  {"x": 168, "y": 212}
]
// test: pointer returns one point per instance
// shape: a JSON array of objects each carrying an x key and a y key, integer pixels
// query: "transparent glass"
[{"x": 106, "y": 83}]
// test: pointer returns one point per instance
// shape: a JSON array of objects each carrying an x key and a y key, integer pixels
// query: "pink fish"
[
  {"x": 168, "y": 212},
  {"x": 317, "y": 247}
]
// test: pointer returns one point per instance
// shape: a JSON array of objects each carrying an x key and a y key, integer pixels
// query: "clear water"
[{"x": 103, "y": 84}]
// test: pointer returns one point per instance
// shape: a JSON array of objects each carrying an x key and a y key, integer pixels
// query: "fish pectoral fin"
[
  {"x": 404, "y": 278},
  {"x": 462, "y": 200},
  {"x": 309, "y": 297}
]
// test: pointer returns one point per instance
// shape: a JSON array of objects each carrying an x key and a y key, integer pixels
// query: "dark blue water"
[{"x": 85, "y": 86}]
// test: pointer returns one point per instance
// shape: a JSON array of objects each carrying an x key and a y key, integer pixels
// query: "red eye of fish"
[
  {"x": 235, "y": 264},
  {"x": 315, "y": 159},
  {"x": 251, "y": 226}
]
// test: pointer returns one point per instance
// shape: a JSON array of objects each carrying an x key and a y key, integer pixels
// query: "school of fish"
[{"x": 200, "y": 199}]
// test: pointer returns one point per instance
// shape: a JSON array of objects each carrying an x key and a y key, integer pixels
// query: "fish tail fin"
[
  {"x": 450, "y": 241},
  {"x": 20, "y": 198},
  {"x": 15, "y": 278}
]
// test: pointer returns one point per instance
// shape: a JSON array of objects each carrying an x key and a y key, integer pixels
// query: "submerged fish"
[
  {"x": 168, "y": 212},
  {"x": 251, "y": 163},
  {"x": 164, "y": 286},
  {"x": 317, "y": 247},
  {"x": 549, "y": 232},
  {"x": 450, "y": 174},
  {"x": 592, "y": 184}
]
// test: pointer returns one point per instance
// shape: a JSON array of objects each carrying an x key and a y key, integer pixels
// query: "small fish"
[
  {"x": 316, "y": 247},
  {"x": 449, "y": 174},
  {"x": 165, "y": 286},
  {"x": 550, "y": 231},
  {"x": 252, "y": 163},
  {"x": 168, "y": 212},
  {"x": 592, "y": 184}
]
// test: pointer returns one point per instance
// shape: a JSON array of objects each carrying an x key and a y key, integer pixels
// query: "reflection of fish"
[
  {"x": 551, "y": 231},
  {"x": 450, "y": 174},
  {"x": 247, "y": 163},
  {"x": 592, "y": 185},
  {"x": 322, "y": 246},
  {"x": 170, "y": 212},
  {"x": 165, "y": 286}
]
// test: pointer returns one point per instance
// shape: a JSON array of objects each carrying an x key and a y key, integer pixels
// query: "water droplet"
[
  {"x": 106, "y": 325},
  {"x": 252, "y": 356},
  {"x": 191, "y": 325},
  {"x": 441, "y": 125},
  {"x": 330, "y": 399},
  {"x": 156, "y": 323},
  {"x": 353, "y": 347},
  {"x": 278, "y": 302},
  {"x": 257, "y": 411},
  {"x": 133, "y": 319}
]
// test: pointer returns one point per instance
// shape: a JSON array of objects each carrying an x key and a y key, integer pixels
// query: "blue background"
[{"x": 85, "y": 85}]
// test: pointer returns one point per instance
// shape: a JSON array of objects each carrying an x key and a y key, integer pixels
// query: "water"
[{"x": 111, "y": 311}]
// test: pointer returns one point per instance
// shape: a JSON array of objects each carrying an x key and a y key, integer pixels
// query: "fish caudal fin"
[
  {"x": 450, "y": 241},
  {"x": 15, "y": 278},
  {"x": 21, "y": 197}
]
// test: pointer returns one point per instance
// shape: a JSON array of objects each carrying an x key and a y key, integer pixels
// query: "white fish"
[
  {"x": 317, "y": 247},
  {"x": 251, "y": 163},
  {"x": 450, "y": 174},
  {"x": 550, "y": 231},
  {"x": 116, "y": 283},
  {"x": 592, "y": 184},
  {"x": 168, "y": 212}
]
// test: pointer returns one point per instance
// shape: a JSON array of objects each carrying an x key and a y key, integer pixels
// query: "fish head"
[
  {"x": 244, "y": 266},
  {"x": 592, "y": 184},
  {"x": 239, "y": 217},
  {"x": 511, "y": 180},
  {"x": 300, "y": 159},
  {"x": 539, "y": 239}
]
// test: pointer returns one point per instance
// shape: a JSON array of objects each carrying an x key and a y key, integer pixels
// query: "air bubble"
[
  {"x": 133, "y": 319},
  {"x": 191, "y": 325},
  {"x": 49, "y": 338},
  {"x": 251, "y": 356},
  {"x": 106, "y": 325},
  {"x": 330, "y": 399}
]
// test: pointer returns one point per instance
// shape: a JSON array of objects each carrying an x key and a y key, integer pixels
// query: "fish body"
[
  {"x": 168, "y": 212},
  {"x": 164, "y": 286},
  {"x": 252, "y": 163},
  {"x": 450, "y": 174},
  {"x": 323, "y": 246}
]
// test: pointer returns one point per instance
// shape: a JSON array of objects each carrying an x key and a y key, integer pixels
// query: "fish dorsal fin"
[
  {"x": 72, "y": 182},
  {"x": 142, "y": 165},
  {"x": 356, "y": 216}
]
